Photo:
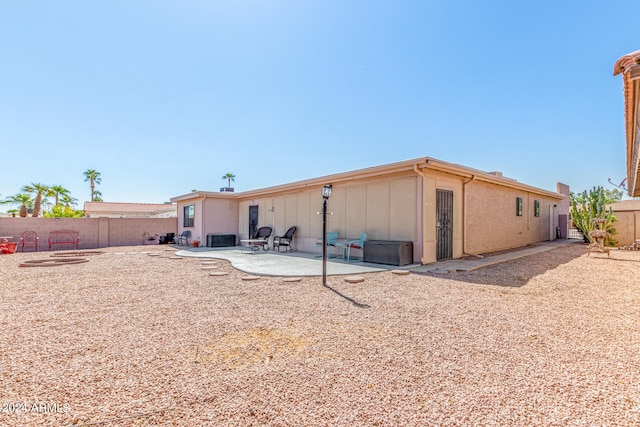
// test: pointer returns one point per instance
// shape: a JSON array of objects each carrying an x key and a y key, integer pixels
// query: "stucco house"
[
  {"x": 446, "y": 210},
  {"x": 629, "y": 67},
  {"x": 129, "y": 210}
]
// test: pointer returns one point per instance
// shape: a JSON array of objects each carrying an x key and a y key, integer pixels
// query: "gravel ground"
[{"x": 128, "y": 339}]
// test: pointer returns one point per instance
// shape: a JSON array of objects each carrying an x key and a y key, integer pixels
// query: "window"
[
  {"x": 536, "y": 208},
  {"x": 518, "y": 206},
  {"x": 188, "y": 216}
]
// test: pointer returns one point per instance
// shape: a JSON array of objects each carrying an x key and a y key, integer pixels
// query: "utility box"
[
  {"x": 388, "y": 252},
  {"x": 220, "y": 240}
]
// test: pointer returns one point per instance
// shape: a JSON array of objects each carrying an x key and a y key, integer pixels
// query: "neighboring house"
[
  {"x": 129, "y": 210},
  {"x": 629, "y": 67},
  {"x": 446, "y": 210}
]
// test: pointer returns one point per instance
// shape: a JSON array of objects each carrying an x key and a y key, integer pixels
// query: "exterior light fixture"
[{"x": 326, "y": 193}]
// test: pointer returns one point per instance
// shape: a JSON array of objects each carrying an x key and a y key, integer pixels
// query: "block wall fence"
[{"x": 94, "y": 232}]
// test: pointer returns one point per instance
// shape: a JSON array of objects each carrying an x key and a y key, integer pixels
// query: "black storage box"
[
  {"x": 388, "y": 252},
  {"x": 220, "y": 240}
]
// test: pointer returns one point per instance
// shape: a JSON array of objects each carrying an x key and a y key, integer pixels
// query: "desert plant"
[
  {"x": 589, "y": 206},
  {"x": 22, "y": 199},
  {"x": 41, "y": 191}
]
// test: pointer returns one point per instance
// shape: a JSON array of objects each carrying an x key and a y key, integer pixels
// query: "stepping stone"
[
  {"x": 401, "y": 272},
  {"x": 175, "y": 257},
  {"x": 209, "y": 263},
  {"x": 354, "y": 279},
  {"x": 218, "y": 273},
  {"x": 249, "y": 277},
  {"x": 209, "y": 267},
  {"x": 153, "y": 254},
  {"x": 292, "y": 279}
]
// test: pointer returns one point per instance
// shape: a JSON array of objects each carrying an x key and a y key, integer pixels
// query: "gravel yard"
[{"x": 129, "y": 339}]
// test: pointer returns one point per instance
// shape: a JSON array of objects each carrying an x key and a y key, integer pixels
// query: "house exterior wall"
[
  {"x": 94, "y": 232},
  {"x": 384, "y": 208},
  {"x": 492, "y": 223}
]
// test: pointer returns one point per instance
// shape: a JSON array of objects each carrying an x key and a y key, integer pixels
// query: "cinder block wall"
[{"x": 94, "y": 232}]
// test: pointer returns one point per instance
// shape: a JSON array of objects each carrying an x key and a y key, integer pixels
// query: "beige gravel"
[{"x": 128, "y": 339}]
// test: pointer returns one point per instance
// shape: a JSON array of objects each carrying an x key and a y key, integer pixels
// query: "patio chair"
[
  {"x": 263, "y": 234},
  {"x": 285, "y": 240},
  {"x": 184, "y": 237},
  {"x": 352, "y": 244},
  {"x": 29, "y": 238},
  {"x": 332, "y": 240}
]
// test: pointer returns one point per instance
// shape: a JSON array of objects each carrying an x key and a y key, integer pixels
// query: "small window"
[
  {"x": 188, "y": 216},
  {"x": 518, "y": 206},
  {"x": 536, "y": 208}
]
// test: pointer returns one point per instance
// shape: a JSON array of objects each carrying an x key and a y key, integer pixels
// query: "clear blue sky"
[{"x": 162, "y": 97}]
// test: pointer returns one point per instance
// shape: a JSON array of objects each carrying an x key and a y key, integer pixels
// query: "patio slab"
[{"x": 296, "y": 264}]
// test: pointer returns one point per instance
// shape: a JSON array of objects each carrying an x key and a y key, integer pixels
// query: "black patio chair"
[
  {"x": 184, "y": 237},
  {"x": 285, "y": 240},
  {"x": 263, "y": 234}
]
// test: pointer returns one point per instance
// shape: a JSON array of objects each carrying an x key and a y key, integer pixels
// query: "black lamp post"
[{"x": 326, "y": 193}]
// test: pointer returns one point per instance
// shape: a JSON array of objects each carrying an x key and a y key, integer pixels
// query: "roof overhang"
[
  {"x": 629, "y": 67},
  {"x": 406, "y": 166}
]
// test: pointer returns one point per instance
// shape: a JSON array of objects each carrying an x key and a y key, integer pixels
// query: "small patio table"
[{"x": 252, "y": 245}]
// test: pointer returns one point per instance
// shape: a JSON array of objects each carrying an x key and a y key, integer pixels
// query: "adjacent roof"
[
  {"x": 416, "y": 165},
  {"x": 138, "y": 208},
  {"x": 625, "y": 206},
  {"x": 629, "y": 67}
]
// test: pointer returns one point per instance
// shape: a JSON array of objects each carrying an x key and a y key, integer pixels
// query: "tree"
[
  {"x": 93, "y": 176},
  {"x": 229, "y": 177},
  {"x": 40, "y": 190},
  {"x": 585, "y": 207},
  {"x": 59, "y": 191},
  {"x": 97, "y": 196},
  {"x": 613, "y": 196},
  {"x": 22, "y": 199},
  {"x": 68, "y": 200}
]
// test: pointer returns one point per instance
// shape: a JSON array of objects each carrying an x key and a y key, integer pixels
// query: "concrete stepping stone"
[
  {"x": 401, "y": 272},
  {"x": 218, "y": 273},
  {"x": 209, "y": 267},
  {"x": 175, "y": 257},
  {"x": 209, "y": 263},
  {"x": 153, "y": 254},
  {"x": 250, "y": 277},
  {"x": 354, "y": 279},
  {"x": 292, "y": 279}
]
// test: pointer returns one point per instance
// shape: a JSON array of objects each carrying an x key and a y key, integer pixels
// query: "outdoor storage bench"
[
  {"x": 62, "y": 237},
  {"x": 388, "y": 252}
]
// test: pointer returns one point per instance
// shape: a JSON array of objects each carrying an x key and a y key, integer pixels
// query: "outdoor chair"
[
  {"x": 29, "y": 238},
  {"x": 352, "y": 244},
  {"x": 184, "y": 237},
  {"x": 285, "y": 240},
  {"x": 332, "y": 240},
  {"x": 263, "y": 234}
]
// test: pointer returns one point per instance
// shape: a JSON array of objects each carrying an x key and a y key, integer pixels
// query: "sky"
[{"x": 165, "y": 97}]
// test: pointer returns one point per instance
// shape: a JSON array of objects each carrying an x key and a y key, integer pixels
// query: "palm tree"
[
  {"x": 22, "y": 199},
  {"x": 59, "y": 192},
  {"x": 40, "y": 190},
  {"x": 93, "y": 176},
  {"x": 68, "y": 200},
  {"x": 97, "y": 196},
  {"x": 229, "y": 177}
]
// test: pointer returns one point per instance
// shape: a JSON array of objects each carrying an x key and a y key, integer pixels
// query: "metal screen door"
[
  {"x": 444, "y": 224},
  {"x": 253, "y": 220}
]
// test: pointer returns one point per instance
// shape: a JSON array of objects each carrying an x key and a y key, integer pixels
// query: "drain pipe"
[{"x": 464, "y": 218}]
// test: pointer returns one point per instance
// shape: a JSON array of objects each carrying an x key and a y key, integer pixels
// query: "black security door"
[
  {"x": 444, "y": 225},
  {"x": 253, "y": 220}
]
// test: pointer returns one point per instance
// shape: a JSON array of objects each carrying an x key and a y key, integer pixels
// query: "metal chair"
[
  {"x": 29, "y": 238},
  {"x": 332, "y": 240},
  {"x": 184, "y": 237},
  {"x": 285, "y": 240},
  {"x": 353, "y": 244}
]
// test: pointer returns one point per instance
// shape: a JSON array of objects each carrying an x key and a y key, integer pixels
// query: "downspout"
[
  {"x": 464, "y": 218},
  {"x": 204, "y": 197},
  {"x": 421, "y": 213}
]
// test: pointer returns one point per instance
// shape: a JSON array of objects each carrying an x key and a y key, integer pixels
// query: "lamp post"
[{"x": 326, "y": 193}]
